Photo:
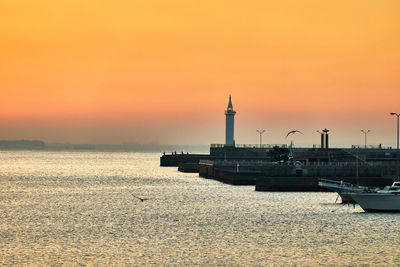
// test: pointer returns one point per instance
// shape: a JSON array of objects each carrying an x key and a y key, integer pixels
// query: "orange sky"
[{"x": 123, "y": 71}]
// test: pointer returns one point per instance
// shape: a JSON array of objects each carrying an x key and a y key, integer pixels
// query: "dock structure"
[
  {"x": 269, "y": 176},
  {"x": 251, "y": 165},
  {"x": 282, "y": 168},
  {"x": 229, "y": 172},
  {"x": 175, "y": 159}
]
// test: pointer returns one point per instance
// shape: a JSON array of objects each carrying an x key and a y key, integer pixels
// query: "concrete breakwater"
[
  {"x": 260, "y": 167},
  {"x": 189, "y": 167},
  {"x": 310, "y": 184},
  {"x": 175, "y": 159},
  {"x": 267, "y": 176},
  {"x": 184, "y": 161},
  {"x": 228, "y": 175}
]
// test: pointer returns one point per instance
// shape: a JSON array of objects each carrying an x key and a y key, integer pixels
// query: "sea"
[{"x": 83, "y": 209}]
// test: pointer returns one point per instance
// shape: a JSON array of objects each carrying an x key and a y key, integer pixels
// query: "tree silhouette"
[{"x": 279, "y": 153}]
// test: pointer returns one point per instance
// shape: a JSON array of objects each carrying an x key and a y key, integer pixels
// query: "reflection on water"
[{"x": 78, "y": 208}]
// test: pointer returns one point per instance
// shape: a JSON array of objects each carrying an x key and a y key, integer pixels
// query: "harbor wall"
[
  {"x": 174, "y": 159},
  {"x": 227, "y": 174},
  {"x": 236, "y": 177},
  {"x": 269, "y": 177},
  {"x": 253, "y": 166},
  {"x": 191, "y": 167},
  {"x": 310, "y": 184}
]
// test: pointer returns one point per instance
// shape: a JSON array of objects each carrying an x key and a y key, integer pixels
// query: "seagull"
[
  {"x": 141, "y": 199},
  {"x": 293, "y": 132}
]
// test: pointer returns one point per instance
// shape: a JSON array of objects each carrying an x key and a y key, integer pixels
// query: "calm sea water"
[{"x": 78, "y": 208}]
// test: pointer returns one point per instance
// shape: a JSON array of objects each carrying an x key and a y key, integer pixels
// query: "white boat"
[
  {"x": 387, "y": 200},
  {"x": 342, "y": 188},
  {"x": 395, "y": 187}
]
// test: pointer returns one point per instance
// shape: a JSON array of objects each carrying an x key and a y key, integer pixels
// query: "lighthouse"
[{"x": 229, "y": 124}]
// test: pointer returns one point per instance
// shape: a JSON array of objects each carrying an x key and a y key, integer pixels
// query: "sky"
[{"x": 86, "y": 71}]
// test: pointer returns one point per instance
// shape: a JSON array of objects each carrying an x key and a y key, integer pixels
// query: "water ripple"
[{"x": 78, "y": 208}]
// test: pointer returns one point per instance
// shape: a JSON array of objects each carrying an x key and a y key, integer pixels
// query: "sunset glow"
[{"x": 142, "y": 71}]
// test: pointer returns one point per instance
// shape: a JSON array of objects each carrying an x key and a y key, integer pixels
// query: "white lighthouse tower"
[{"x": 229, "y": 125}]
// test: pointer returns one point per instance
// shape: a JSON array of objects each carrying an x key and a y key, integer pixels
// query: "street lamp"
[
  {"x": 398, "y": 115},
  {"x": 365, "y": 133},
  {"x": 397, "y": 156},
  {"x": 260, "y": 132}
]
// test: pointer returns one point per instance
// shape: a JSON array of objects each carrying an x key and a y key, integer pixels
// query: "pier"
[
  {"x": 268, "y": 176},
  {"x": 175, "y": 159},
  {"x": 251, "y": 165},
  {"x": 288, "y": 168}
]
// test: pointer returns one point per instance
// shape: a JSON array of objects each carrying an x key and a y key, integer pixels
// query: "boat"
[
  {"x": 344, "y": 189},
  {"x": 385, "y": 200},
  {"x": 395, "y": 187}
]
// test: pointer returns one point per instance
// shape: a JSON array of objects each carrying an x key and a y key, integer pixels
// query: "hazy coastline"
[{"x": 123, "y": 147}]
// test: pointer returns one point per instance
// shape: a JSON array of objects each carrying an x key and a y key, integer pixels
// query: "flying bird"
[
  {"x": 293, "y": 132},
  {"x": 141, "y": 199}
]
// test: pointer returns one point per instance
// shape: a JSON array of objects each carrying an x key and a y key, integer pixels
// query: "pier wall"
[
  {"x": 310, "y": 184},
  {"x": 319, "y": 171},
  {"x": 253, "y": 166},
  {"x": 192, "y": 167},
  {"x": 173, "y": 160},
  {"x": 228, "y": 174},
  {"x": 269, "y": 177},
  {"x": 290, "y": 178}
]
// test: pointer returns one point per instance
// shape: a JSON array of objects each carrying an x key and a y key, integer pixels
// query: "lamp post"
[
  {"x": 398, "y": 115},
  {"x": 260, "y": 132},
  {"x": 397, "y": 156},
  {"x": 365, "y": 135}
]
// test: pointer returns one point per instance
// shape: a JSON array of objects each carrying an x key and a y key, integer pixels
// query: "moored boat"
[
  {"x": 386, "y": 200},
  {"x": 344, "y": 189}
]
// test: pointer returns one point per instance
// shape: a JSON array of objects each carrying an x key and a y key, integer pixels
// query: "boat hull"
[
  {"x": 346, "y": 197},
  {"x": 344, "y": 190},
  {"x": 376, "y": 202}
]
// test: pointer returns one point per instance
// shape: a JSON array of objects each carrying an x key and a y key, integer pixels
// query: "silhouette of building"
[{"x": 229, "y": 124}]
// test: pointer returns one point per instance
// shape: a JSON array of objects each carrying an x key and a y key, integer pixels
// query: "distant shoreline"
[{"x": 124, "y": 147}]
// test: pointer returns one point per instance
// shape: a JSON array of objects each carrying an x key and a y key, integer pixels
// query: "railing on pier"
[
  {"x": 206, "y": 162},
  {"x": 235, "y": 162},
  {"x": 370, "y": 147},
  {"x": 221, "y": 162},
  {"x": 251, "y": 145},
  {"x": 285, "y": 146}
]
